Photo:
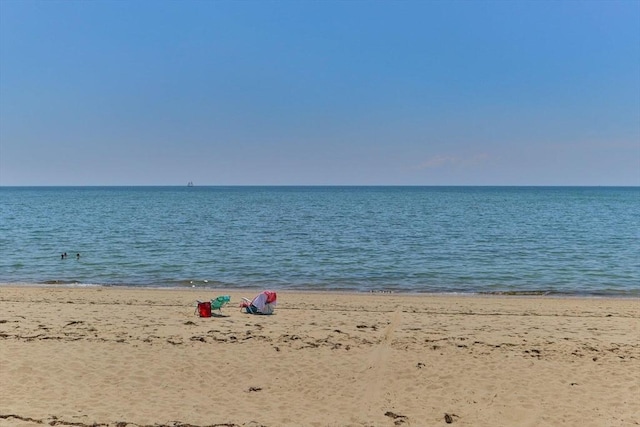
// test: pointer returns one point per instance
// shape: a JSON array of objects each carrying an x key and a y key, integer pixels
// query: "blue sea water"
[{"x": 557, "y": 240}]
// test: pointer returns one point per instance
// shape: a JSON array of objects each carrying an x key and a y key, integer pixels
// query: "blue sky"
[{"x": 319, "y": 92}]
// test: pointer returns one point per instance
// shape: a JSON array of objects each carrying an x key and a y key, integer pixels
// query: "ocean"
[{"x": 488, "y": 240}]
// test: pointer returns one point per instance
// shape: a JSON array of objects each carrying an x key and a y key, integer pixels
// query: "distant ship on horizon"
[{"x": 190, "y": 184}]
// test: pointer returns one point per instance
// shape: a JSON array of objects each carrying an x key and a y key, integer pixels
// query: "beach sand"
[{"x": 112, "y": 356}]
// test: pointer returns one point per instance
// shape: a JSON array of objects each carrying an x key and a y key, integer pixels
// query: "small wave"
[
  {"x": 199, "y": 283},
  {"x": 518, "y": 293},
  {"x": 60, "y": 282}
]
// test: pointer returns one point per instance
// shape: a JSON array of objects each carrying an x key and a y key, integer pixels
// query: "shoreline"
[
  {"x": 132, "y": 357},
  {"x": 541, "y": 294}
]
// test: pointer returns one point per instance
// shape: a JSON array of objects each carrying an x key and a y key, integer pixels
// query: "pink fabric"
[{"x": 271, "y": 297}]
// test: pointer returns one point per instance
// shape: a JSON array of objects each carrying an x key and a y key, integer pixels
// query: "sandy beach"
[{"x": 112, "y": 356}]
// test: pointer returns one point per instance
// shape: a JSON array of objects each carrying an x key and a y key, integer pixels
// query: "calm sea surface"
[{"x": 560, "y": 240}]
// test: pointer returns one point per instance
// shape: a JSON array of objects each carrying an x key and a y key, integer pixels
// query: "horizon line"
[{"x": 317, "y": 185}]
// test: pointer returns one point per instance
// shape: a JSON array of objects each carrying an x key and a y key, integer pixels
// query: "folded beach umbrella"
[{"x": 263, "y": 303}]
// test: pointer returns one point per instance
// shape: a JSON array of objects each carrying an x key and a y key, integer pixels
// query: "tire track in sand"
[{"x": 374, "y": 386}]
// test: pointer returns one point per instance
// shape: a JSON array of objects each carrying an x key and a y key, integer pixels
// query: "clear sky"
[{"x": 319, "y": 92}]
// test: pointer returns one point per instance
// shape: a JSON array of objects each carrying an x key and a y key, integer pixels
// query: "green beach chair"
[{"x": 219, "y": 302}]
